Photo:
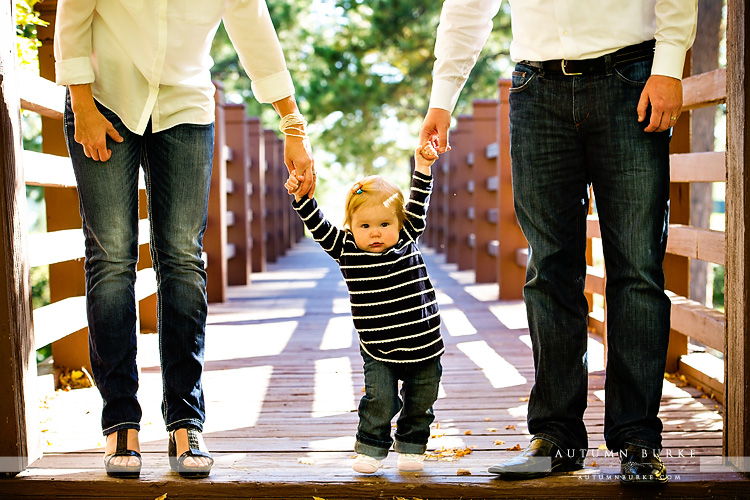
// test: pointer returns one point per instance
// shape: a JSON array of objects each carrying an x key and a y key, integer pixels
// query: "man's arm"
[
  {"x": 676, "y": 22},
  {"x": 464, "y": 28}
]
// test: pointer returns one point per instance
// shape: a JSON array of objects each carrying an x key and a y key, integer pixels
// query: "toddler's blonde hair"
[{"x": 375, "y": 189}]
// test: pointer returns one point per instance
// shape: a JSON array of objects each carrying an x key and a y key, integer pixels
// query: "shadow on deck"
[{"x": 282, "y": 381}]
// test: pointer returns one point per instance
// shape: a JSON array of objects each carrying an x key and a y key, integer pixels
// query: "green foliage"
[
  {"x": 27, "y": 19},
  {"x": 718, "y": 288},
  {"x": 362, "y": 73}
]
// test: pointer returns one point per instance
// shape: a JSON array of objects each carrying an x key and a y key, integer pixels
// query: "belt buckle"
[{"x": 563, "y": 63}]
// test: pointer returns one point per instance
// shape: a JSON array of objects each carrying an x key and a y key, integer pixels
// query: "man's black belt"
[{"x": 599, "y": 65}]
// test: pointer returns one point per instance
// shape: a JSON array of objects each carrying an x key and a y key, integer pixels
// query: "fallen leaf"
[
  {"x": 467, "y": 433},
  {"x": 602, "y": 446},
  {"x": 498, "y": 442},
  {"x": 515, "y": 448},
  {"x": 447, "y": 454},
  {"x": 486, "y": 419},
  {"x": 318, "y": 498},
  {"x": 523, "y": 399},
  {"x": 463, "y": 472},
  {"x": 594, "y": 464},
  {"x": 306, "y": 460},
  {"x": 510, "y": 427},
  {"x": 491, "y": 429},
  {"x": 163, "y": 497}
]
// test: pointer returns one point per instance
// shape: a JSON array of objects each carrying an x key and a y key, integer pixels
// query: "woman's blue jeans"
[
  {"x": 567, "y": 133},
  {"x": 381, "y": 403},
  {"x": 177, "y": 165}
]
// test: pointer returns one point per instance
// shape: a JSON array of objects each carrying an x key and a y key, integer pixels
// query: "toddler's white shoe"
[
  {"x": 408, "y": 462},
  {"x": 366, "y": 464}
]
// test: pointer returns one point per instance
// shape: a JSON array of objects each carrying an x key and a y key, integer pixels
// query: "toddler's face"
[{"x": 375, "y": 227}]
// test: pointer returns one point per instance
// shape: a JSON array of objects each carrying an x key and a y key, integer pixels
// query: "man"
[{"x": 595, "y": 91}]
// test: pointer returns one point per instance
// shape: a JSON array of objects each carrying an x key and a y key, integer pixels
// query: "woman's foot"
[
  {"x": 188, "y": 454},
  {"x": 122, "y": 457}
]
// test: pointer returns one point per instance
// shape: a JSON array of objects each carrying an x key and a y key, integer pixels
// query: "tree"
[{"x": 362, "y": 72}]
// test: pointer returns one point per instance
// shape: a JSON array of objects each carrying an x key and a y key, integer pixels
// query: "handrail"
[{"x": 41, "y": 95}]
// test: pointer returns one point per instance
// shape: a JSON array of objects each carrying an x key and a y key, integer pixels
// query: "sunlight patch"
[
  {"x": 339, "y": 334},
  {"x": 456, "y": 322},
  {"x": 498, "y": 371},
  {"x": 333, "y": 387}
]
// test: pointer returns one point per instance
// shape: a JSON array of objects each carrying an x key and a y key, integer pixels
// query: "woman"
[{"x": 140, "y": 95}]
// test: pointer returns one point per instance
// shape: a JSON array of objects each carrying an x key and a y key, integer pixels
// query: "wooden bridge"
[
  {"x": 283, "y": 378},
  {"x": 267, "y": 283}
]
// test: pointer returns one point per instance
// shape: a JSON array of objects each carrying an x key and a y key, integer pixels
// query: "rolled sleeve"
[
  {"x": 74, "y": 71},
  {"x": 273, "y": 88}
]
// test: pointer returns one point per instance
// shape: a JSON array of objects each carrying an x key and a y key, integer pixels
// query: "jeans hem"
[
  {"x": 409, "y": 448},
  {"x": 370, "y": 450},
  {"x": 642, "y": 443},
  {"x": 185, "y": 423},
  {"x": 123, "y": 425},
  {"x": 576, "y": 452}
]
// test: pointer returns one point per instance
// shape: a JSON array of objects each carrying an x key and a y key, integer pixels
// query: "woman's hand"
[
  {"x": 298, "y": 159},
  {"x": 91, "y": 127}
]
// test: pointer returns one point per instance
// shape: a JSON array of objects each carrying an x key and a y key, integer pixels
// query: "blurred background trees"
[{"x": 362, "y": 71}]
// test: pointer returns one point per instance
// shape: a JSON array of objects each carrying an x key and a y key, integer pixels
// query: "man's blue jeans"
[
  {"x": 569, "y": 132},
  {"x": 381, "y": 403},
  {"x": 177, "y": 165}
]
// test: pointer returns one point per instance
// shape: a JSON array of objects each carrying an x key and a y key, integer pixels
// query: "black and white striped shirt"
[{"x": 394, "y": 306}]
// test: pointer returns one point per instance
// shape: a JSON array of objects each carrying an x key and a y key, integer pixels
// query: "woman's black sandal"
[
  {"x": 122, "y": 450},
  {"x": 178, "y": 463}
]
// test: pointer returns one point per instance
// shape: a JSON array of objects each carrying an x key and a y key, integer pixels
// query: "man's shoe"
[
  {"x": 640, "y": 465},
  {"x": 541, "y": 458}
]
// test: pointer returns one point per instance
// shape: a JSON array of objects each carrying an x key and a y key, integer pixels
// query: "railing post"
[
  {"x": 451, "y": 187},
  {"x": 272, "y": 241},
  {"x": 238, "y": 198},
  {"x": 737, "y": 364},
  {"x": 436, "y": 219},
  {"x": 282, "y": 198},
  {"x": 485, "y": 177},
  {"x": 19, "y": 433},
  {"x": 257, "y": 147},
  {"x": 511, "y": 276},
  {"x": 215, "y": 238},
  {"x": 463, "y": 151}
]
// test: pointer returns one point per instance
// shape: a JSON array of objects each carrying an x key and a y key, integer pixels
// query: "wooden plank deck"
[{"x": 282, "y": 381}]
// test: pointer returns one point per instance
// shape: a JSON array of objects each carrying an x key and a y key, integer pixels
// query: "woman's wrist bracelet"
[{"x": 293, "y": 124}]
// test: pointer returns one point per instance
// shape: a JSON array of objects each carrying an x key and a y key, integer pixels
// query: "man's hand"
[
  {"x": 435, "y": 129},
  {"x": 664, "y": 94},
  {"x": 298, "y": 158}
]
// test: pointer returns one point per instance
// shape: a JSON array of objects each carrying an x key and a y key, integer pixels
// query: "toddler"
[{"x": 394, "y": 308}]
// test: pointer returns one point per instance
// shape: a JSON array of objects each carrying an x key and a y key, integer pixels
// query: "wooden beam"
[
  {"x": 19, "y": 436},
  {"x": 694, "y": 320},
  {"x": 698, "y": 167},
  {"x": 696, "y": 243},
  {"x": 737, "y": 299},
  {"x": 705, "y": 89},
  {"x": 41, "y": 95}
]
